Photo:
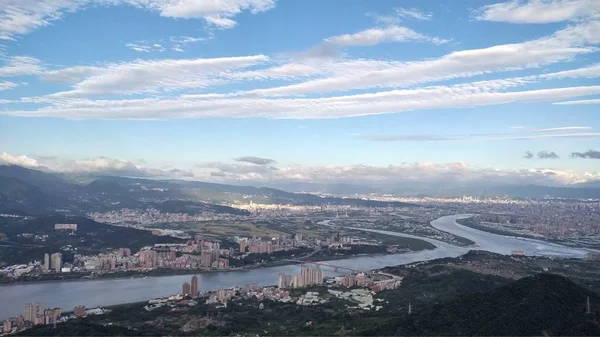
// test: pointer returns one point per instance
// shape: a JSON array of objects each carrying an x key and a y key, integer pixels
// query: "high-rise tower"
[
  {"x": 46, "y": 262},
  {"x": 588, "y": 309},
  {"x": 194, "y": 286}
]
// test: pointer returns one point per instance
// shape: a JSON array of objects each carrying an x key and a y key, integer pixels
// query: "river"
[{"x": 104, "y": 292}]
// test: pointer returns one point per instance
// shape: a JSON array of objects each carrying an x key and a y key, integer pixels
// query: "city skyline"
[{"x": 265, "y": 91}]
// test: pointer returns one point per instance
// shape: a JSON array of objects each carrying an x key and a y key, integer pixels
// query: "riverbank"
[
  {"x": 472, "y": 223},
  {"x": 71, "y": 277},
  {"x": 404, "y": 243}
]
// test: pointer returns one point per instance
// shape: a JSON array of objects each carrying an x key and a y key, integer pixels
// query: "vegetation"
[
  {"x": 91, "y": 237},
  {"x": 401, "y": 242},
  {"x": 532, "y": 306}
]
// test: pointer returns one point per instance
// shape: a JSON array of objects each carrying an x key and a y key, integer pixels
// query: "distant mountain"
[
  {"x": 17, "y": 196},
  {"x": 533, "y": 306},
  {"x": 37, "y": 192},
  {"x": 589, "y": 190}
]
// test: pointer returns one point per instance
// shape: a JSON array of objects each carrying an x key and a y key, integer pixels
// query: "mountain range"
[{"x": 36, "y": 192}]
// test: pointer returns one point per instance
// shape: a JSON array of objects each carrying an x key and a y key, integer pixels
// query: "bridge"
[{"x": 319, "y": 264}]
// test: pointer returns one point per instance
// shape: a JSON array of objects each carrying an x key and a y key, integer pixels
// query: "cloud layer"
[
  {"x": 18, "y": 17},
  {"x": 539, "y": 11},
  {"x": 458, "y": 173},
  {"x": 518, "y": 134},
  {"x": 98, "y": 165},
  {"x": 315, "y": 84}
]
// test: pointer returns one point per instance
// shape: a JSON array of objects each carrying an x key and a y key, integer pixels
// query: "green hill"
[
  {"x": 532, "y": 306},
  {"x": 90, "y": 237}
]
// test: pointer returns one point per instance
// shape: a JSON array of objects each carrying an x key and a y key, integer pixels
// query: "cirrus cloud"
[
  {"x": 18, "y": 17},
  {"x": 538, "y": 11}
]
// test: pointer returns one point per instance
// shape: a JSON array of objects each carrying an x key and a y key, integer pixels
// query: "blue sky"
[{"x": 322, "y": 88}]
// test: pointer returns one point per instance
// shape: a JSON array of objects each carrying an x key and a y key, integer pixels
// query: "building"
[
  {"x": 242, "y": 246},
  {"x": 7, "y": 327},
  {"x": 206, "y": 258},
  {"x": 281, "y": 281},
  {"x": 79, "y": 311},
  {"x": 124, "y": 252},
  {"x": 65, "y": 226},
  {"x": 56, "y": 262},
  {"x": 349, "y": 281},
  {"x": 186, "y": 290},
  {"x": 32, "y": 310},
  {"x": 308, "y": 277},
  {"x": 19, "y": 321},
  {"x": 46, "y": 262},
  {"x": 51, "y": 315},
  {"x": 194, "y": 286}
]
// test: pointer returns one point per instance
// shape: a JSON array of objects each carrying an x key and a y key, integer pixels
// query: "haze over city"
[{"x": 272, "y": 92}]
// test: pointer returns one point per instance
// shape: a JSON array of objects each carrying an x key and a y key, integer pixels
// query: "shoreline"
[
  {"x": 158, "y": 273},
  {"x": 478, "y": 226}
]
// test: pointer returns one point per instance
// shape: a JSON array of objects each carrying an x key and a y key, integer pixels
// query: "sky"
[{"x": 316, "y": 90}]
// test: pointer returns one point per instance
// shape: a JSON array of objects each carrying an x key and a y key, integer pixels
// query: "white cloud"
[
  {"x": 580, "y": 102},
  {"x": 422, "y": 174},
  {"x": 145, "y": 47},
  {"x": 18, "y": 17},
  {"x": 7, "y": 158},
  {"x": 19, "y": 65},
  {"x": 98, "y": 165},
  {"x": 5, "y": 85},
  {"x": 375, "y": 36},
  {"x": 478, "y": 138},
  {"x": 413, "y": 13},
  {"x": 563, "y": 45},
  {"x": 179, "y": 42},
  {"x": 71, "y": 75},
  {"x": 564, "y": 128},
  {"x": 456, "y": 96},
  {"x": 156, "y": 75},
  {"x": 592, "y": 71},
  {"x": 520, "y": 133},
  {"x": 187, "y": 39},
  {"x": 539, "y": 11}
]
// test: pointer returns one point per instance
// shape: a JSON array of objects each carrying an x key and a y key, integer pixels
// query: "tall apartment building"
[
  {"x": 46, "y": 262},
  {"x": 242, "y": 246},
  {"x": 79, "y": 311},
  {"x": 51, "y": 315},
  {"x": 186, "y": 289},
  {"x": 194, "y": 286},
  {"x": 32, "y": 310},
  {"x": 56, "y": 262},
  {"x": 206, "y": 258},
  {"x": 7, "y": 326}
]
